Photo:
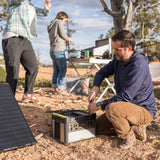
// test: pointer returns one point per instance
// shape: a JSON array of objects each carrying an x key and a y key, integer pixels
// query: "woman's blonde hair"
[{"x": 61, "y": 15}]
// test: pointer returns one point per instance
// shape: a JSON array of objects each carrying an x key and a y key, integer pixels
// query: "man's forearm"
[{"x": 98, "y": 79}]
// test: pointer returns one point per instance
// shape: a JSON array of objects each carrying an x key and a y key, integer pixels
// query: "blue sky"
[{"x": 89, "y": 21}]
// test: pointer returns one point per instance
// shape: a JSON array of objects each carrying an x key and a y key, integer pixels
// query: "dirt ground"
[
  {"x": 99, "y": 148},
  {"x": 46, "y": 72}
]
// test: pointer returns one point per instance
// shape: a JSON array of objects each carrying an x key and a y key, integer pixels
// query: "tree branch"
[
  {"x": 136, "y": 3},
  {"x": 103, "y": 4},
  {"x": 129, "y": 15},
  {"x": 118, "y": 13},
  {"x": 146, "y": 40},
  {"x": 150, "y": 32},
  {"x": 153, "y": 5},
  {"x": 147, "y": 7}
]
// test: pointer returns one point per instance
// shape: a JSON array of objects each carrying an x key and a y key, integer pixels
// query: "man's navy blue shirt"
[{"x": 133, "y": 82}]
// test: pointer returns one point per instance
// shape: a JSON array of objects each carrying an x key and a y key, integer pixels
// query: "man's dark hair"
[{"x": 126, "y": 37}]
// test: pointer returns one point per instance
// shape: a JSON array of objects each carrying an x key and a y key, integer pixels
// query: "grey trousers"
[{"x": 18, "y": 50}]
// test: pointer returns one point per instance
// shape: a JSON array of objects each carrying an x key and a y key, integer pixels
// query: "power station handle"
[{"x": 59, "y": 115}]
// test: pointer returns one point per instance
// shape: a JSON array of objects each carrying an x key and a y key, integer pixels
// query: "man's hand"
[
  {"x": 47, "y": 2},
  {"x": 93, "y": 93},
  {"x": 92, "y": 108}
]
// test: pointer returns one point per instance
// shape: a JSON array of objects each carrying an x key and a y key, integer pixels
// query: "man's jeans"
[
  {"x": 60, "y": 68},
  {"x": 120, "y": 116},
  {"x": 19, "y": 50}
]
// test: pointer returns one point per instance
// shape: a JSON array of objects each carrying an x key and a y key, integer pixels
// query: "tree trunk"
[
  {"x": 116, "y": 20},
  {"x": 121, "y": 12}
]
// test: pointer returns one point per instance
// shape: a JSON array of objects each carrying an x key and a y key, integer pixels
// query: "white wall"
[{"x": 100, "y": 50}]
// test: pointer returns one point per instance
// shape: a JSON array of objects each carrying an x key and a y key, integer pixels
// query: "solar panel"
[{"x": 14, "y": 130}]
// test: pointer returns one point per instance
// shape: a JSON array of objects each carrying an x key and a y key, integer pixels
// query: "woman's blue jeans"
[{"x": 60, "y": 68}]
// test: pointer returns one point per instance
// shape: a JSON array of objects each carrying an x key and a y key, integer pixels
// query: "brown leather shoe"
[
  {"x": 128, "y": 142},
  {"x": 140, "y": 132}
]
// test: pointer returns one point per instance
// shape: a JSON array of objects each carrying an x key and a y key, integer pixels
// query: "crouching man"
[{"x": 133, "y": 107}]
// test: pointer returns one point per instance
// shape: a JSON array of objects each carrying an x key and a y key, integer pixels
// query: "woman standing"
[{"x": 58, "y": 39}]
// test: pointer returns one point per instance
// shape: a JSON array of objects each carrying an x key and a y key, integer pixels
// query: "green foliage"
[
  {"x": 101, "y": 36},
  {"x": 21, "y": 81},
  {"x": 155, "y": 51},
  {"x": 149, "y": 19},
  {"x": 79, "y": 66},
  {"x": 46, "y": 65},
  {"x": 47, "y": 83},
  {"x": 2, "y": 75},
  {"x": 110, "y": 33},
  {"x": 146, "y": 26},
  {"x": 3, "y": 12},
  {"x": 70, "y": 32},
  {"x": 73, "y": 50},
  {"x": 103, "y": 85},
  {"x": 40, "y": 82},
  {"x": 157, "y": 92}
]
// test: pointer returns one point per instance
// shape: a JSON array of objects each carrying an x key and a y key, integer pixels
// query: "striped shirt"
[{"x": 22, "y": 19}]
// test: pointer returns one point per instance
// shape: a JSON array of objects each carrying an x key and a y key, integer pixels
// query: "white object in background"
[
  {"x": 98, "y": 51},
  {"x": 155, "y": 71}
]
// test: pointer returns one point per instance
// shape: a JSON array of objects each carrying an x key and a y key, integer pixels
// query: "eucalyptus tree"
[
  {"x": 146, "y": 22},
  {"x": 3, "y": 13},
  {"x": 140, "y": 16},
  {"x": 123, "y": 11},
  {"x": 101, "y": 36},
  {"x": 70, "y": 32},
  {"x": 110, "y": 33}
]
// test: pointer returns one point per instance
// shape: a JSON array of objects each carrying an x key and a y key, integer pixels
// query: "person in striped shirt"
[{"x": 21, "y": 25}]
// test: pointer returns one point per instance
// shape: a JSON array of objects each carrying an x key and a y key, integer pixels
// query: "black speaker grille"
[{"x": 14, "y": 130}]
